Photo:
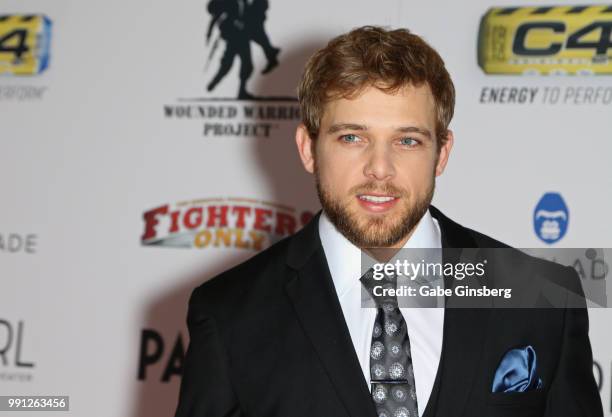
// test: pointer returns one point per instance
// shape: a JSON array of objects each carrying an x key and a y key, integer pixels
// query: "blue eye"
[
  {"x": 409, "y": 141},
  {"x": 350, "y": 138}
]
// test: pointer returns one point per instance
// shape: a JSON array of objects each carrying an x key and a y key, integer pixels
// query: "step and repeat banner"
[{"x": 147, "y": 146}]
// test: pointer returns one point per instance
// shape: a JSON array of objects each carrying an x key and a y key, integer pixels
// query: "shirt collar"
[{"x": 344, "y": 258}]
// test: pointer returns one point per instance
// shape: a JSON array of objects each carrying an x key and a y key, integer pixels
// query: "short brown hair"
[{"x": 372, "y": 55}]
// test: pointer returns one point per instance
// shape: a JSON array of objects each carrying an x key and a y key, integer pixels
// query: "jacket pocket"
[{"x": 508, "y": 404}]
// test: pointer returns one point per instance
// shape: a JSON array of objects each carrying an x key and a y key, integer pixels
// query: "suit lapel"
[
  {"x": 463, "y": 335},
  {"x": 462, "y": 345},
  {"x": 316, "y": 304}
]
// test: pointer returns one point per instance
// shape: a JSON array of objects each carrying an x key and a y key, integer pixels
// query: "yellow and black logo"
[
  {"x": 24, "y": 44},
  {"x": 546, "y": 40}
]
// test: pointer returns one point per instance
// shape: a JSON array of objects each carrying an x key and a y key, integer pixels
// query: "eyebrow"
[
  {"x": 402, "y": 129},
  {"x": 345, "y": 126}
]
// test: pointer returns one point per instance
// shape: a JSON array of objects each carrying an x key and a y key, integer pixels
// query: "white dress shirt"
[{"x": 424, "y": 324}]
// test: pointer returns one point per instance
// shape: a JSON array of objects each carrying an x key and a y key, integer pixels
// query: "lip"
[{"x": 374, "y": 207}]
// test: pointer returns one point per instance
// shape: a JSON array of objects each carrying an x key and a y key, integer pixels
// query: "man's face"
[{"x": 375, "y": 162}]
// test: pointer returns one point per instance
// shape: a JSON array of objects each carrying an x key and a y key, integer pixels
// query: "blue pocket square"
[{"x": 517, "y": 371}]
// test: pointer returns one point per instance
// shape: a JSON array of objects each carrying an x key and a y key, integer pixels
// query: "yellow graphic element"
[
  {"x": 24, "y": 44},
  {"x": 546, "y": 40},
  {"x": 230, "y": 238}
]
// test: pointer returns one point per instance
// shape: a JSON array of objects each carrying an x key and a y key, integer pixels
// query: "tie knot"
[{"x": 378, "y": 288}]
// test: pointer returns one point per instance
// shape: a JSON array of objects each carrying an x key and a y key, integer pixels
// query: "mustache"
[{"x": 384, "y": 188}]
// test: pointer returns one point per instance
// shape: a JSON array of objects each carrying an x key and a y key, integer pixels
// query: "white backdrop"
[{"x": 86, "y": 304}]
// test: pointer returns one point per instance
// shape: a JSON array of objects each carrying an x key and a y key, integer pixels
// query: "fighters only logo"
[{"x": 221, "y": 222}]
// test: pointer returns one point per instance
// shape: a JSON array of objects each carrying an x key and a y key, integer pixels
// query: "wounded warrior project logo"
[
  {"x": 562, "y": 40},
  {"x": 221, "y": 222},
  {"x": 239, "y": 23},
  {"x": 551, "y": 218},
  {"x": 234, "y": 28}
]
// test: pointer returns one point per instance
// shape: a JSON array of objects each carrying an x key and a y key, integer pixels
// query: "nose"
[{"x": 379, "y": 165}]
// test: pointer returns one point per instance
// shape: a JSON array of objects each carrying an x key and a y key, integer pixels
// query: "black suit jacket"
[{"x": 268, "y": 338}]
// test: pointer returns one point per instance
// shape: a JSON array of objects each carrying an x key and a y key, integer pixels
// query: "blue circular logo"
[{"x": 551, "y": 218}]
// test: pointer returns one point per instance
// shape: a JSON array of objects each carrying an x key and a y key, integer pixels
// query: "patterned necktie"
[{"x": 391, "y": 372}]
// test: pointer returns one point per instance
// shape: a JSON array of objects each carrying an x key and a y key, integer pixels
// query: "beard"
[{"x": 376, "y": 230}]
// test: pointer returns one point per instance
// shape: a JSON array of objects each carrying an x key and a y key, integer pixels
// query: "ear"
[
  {"x": 444, "y": 153},
  {"x": 305, "y": 147}
]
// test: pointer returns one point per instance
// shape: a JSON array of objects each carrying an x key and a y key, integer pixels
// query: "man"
[{"x": 284, "y": 334}]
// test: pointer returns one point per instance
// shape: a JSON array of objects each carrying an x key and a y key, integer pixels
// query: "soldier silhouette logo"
[{"x": 239, "y": 23}]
